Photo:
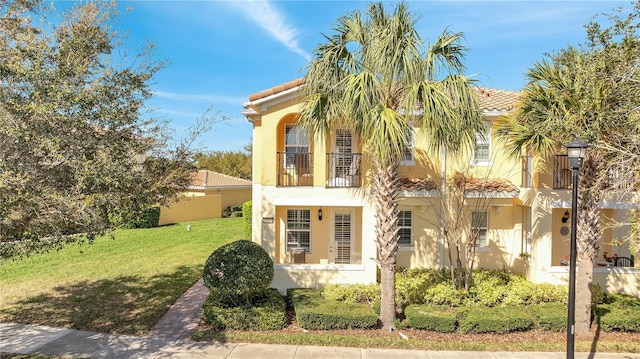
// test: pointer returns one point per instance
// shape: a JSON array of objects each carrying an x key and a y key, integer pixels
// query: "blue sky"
[{"x": 220, "y": 52}]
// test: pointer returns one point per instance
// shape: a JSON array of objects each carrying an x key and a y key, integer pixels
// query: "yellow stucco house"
[
  {"x": 206, "y": 197},
  {"x": 312, "y": 214}
]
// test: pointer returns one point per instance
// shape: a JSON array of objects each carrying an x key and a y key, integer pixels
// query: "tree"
[
  {"x": 375, "y": 77},
  {"x": 590, "y": 92},
  {"x": 231, "y": 163},
  {"x": 76, "y": 149}
]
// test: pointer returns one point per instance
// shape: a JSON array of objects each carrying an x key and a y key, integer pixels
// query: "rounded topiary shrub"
[{"x": 237, "y": 271}]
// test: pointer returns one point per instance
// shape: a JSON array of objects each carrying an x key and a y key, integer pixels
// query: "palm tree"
[
  {"x": 564, "y": 100},
  {"x": 375, "y": 77}
]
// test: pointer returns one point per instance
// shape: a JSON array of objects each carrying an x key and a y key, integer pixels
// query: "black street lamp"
[{"x": 575, "y": 151}]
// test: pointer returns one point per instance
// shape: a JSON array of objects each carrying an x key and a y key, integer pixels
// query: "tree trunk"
[
  {"x": 588, "y": 232},
  {"x": 584, "y": 278},
  {"x": 387, "y": 296},
  {"x": 384, "y": 188}
]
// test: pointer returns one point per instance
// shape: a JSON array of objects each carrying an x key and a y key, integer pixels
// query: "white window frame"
[
  {"x": 300, "y": 144},
  {"x": 480, "y": 225},
  {"x": 301, "y": 220},
  {"x": 408, "y": 155},
  {"x": 403, "y": 226},
  {"x": 485, "y": 141}
]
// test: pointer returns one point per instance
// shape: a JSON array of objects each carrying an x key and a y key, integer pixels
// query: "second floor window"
[
  {"x": 482, "y": 147},
  {"x": 296, "y": 140},
  {"x": 480, "y": 228},
  {"x": 407, "y": 155},
  {"x": 404, "y": 228},
  {"x": 299, "y": 229},
  {"x": 296, "y": 145}
]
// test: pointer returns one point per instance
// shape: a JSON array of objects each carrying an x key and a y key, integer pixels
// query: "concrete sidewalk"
[{"x": 27, "y": 339}]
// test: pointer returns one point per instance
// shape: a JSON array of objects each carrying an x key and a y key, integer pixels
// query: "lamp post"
[{"x": 575, "y": 151}]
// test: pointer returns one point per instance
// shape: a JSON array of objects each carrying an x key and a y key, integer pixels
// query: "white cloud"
[{"x": 266, "y": 16}]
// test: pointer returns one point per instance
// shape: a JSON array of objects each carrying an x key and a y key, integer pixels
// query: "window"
[
  {"x": 296, "y": 143},
  {"x": 482, "y": 147},
  {"x": 299, "y": 229},
  {"x": 407, "y": 156},
  {"x": 404, "y": 228},
  {"x": 480, "y": 228}
]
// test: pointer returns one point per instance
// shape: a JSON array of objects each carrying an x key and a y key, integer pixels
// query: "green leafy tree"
[
  {"x": 376, "y": 77},
  {"x": 75, "y": 148},
  {"x": 231, "y": 163},
  {"x": 591, "y": 93}
]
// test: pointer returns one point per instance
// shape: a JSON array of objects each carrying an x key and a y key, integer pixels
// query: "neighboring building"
[
  {"x": 312, "y": 214},
  {"x": 207, "y": 197}
]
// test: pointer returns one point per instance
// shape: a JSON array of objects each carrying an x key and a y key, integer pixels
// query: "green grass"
[
  {"x": 394, "y": 341},
  {"x": 121, "y": 285}
]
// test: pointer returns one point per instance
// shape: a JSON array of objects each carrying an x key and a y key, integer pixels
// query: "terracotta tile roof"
[
  {"x": 417, "y": 184},
  {"x": 277, "y": 89},
  {"x": 497, "y": 100},
  {"x": 206, "y": 178},
  {"x": 491, "y": 185},
  {"x": 491, "y": 99}
]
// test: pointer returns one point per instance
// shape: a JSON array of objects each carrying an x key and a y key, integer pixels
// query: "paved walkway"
[{"x": 169, "y": 339}]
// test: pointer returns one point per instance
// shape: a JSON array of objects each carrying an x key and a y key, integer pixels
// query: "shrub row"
[
  {"x": 492, "y": 288},
  {"x": 618, "y": 313},
  {"x": 145, "y": 218},
  {"x": 265, "y": 311},
  {"x": 502, "y": 319},
  {"x": 313, "y": 311}
]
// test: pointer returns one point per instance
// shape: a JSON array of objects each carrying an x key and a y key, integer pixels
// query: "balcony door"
[{"x": 342, "y": 169}]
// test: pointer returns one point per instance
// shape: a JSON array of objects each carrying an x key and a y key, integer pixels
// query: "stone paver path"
[{"x": 184, "y": 315}]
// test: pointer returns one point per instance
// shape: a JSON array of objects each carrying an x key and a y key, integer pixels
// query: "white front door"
[{"x": 342, "y": 236}]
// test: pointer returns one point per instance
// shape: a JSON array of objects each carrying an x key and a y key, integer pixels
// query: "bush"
[
  {"x": 247, "y": 209},
  {"x": 550, "y": 316},
  {"x": 237, "y": 271},
  {"x": 145, "y": 218},
  {"x": 440, "y": 319},
  {"x": 412, "y": 283},
  {"x": 315, "y": 312},
  {"x": 265, "y": 311},
  {"x": 619, "y": 313},
  {"x": 445, "y": 294},
  {"x": 523, "y": 292},
  {"x": 232, "y": 212},
  {"x": 488, "y": 292},
  {"x": 352, "y": 293},
  {"x": 495, "y": 320}
]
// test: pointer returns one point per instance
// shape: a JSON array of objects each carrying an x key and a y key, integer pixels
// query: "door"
[
  {"x": 340, "y": 167},
  {"x": 342, "y": 236}
]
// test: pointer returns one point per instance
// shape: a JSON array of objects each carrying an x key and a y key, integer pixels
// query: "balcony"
[
  {"x": 561, "y": 172},
  {"x": 615, "y": 179},
  {"x": 344, "y": 170},
  {"x": 295, "y": 169}
]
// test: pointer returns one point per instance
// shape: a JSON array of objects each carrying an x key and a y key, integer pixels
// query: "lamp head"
[{"x": 576, "y": 151}]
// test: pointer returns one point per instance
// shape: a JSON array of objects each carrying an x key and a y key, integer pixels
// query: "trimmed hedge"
[
  {"x": 247, "y": 209},
  {"x": 550, "y": 316},
  {"x": 439, "y": 319},
  {"x": 315, "y": 312},
  {"x": 352, "y": 293},
  {"x": 495, "y": 320},
  {"x": 146, "y": 218},
  {"x": 266, "y": 311},
  {"x": 619, "y": 313}
]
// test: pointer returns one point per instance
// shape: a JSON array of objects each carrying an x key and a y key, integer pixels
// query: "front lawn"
[{"x": 121, "y": 285}]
